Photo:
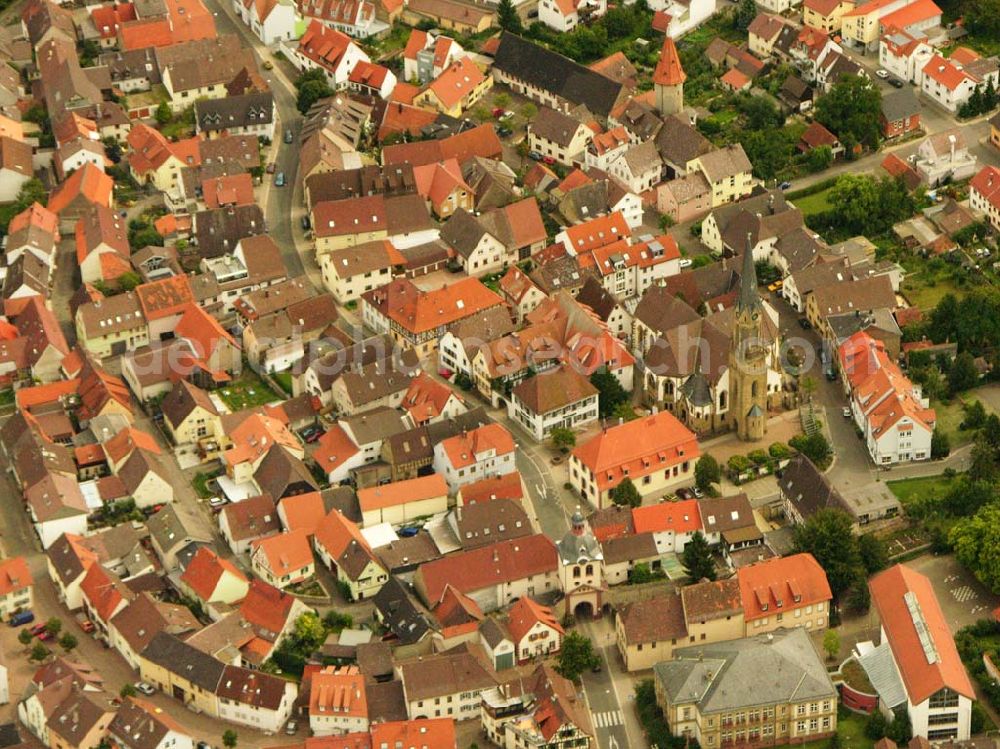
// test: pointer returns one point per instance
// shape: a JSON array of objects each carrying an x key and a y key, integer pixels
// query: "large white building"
[
  {"x": 917, "y": 664},
  {"x": 470, "y": 456},
  {"x": 889, "y": 409}
]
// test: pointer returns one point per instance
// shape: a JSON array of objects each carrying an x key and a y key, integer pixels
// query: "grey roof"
[
  {"x": 398, "y": 610},
  {"x": 246, "y": 110},
  {"x": 749, "y": 298},
  {"x": 572, "y": 548},
  {"x": 182, "y": 659},
  {"x": 550, "y": 71},
  {"x": 770, "y": 669},
  {"x": 376, "y": 424},
  {"x": 594, "y": 295},
  {"x": 659, "y": 310},
  {"x": 900, "y": 104},
  {"x": 218, "y": 231},
  {"x": 697, "y": 390},
  {"x": 167, "y": 529},
  {"x": 880, "y": 667},
  {"x": 555, "y": 126},
  {"x": 493, "y": 632}
]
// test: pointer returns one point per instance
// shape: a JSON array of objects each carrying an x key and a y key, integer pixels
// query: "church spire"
[
  {"x": 749, "y": 299},
  {"x": 669, "y": 71}
]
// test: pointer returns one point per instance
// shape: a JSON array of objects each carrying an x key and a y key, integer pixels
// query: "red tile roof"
[
  {"x": 764, "y": 584},
  {"x": 508, "y": 486},
  {"x": 637, "y": 448},
  {"x": 525, "y": 614},
  {"x": 286, "y": 553},
  {"x": 103, "y": 592},
  {"x": 166, "y": 297},
  {"x": 401, "y": 492},
  {"x": 679, "y": 517},
  {"x": 504, "y": 562},
  {"x": 915, "y": 12},
  {"x": 89, "y": 181},
  {"x": 333, "y": 449},
  {"x": 204, "y": 571},
  {"x": 463, "y": 448},
  {"x": 338, "y": 691},
  {"x": 456, "y": 82},
  {"x": 419, "y": 311},
  {"x": 14, "y": 575},
  {"x": 597, "y": 232},
  {"x": 303, "y": 511},
  {"x": 922, "y": 644},
  {"x": 669, "y": 71},
  {"x": 267, "y": 608},
  {"x": 430, "y": 732}
]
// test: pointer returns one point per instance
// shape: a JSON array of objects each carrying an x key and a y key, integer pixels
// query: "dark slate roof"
[
  {"x": 246, "y": 110},
  {"x": 182, "y": 659},
  {"x": 900, "y": 104},
  {"x": 399, "y": 612},
  {"x": 559, "y": 75},
  {"x": 808, "y": 489}
]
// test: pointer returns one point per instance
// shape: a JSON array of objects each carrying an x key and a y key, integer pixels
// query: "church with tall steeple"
[{"x": 748, "y": 356}]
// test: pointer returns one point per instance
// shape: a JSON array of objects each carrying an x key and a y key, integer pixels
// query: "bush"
[{"x": 779, "y": 451}]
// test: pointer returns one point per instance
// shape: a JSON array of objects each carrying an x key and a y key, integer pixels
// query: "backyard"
[
  {"x": 247, "y": 391},
  {"x": 918, "y": 490}
]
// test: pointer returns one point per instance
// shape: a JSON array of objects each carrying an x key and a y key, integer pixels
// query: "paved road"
[
  {"x": 279, "y": 202},
  {"x": 609, "y": 692}
]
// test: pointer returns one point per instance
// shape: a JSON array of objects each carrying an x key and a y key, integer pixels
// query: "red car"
[
  {"x": 44, "y": 635},
  {"x": 549, "y": 160},
  {"x": 498, "y": 113},
  {"x": 87, "y": 626}
]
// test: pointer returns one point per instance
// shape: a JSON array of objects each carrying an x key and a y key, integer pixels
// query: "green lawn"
[
  {"x": 949, "y": 416},
  {"x": 7, "y": 397},
  {"x": 851, "y": 728},
  {"x": 284, "y": 379},
  {"x": 812, "y": 204},
  {"x": 918, "y": 489},
  {"x": 247, "y": 391}
]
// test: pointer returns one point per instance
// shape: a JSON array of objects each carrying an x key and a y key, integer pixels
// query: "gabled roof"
[
  {"x": 286, "y": 553},
  {"x": 89, "y": 182},
  {"x": 525, "y": 614},
  {"x": 205, "y": 570},
  {"x": 923, "y": 646},
  {"x": 793, "y": 581},
  {"x": 676, "y": 517}
]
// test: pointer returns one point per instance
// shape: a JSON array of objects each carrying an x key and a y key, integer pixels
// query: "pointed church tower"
[
  {"x": 668, "y": 80},
  {"x": 748, "y": 357}
]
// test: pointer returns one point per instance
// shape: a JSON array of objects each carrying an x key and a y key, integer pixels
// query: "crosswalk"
[
  {"x": 608, "y": 718},
  {"x": 964, "y": 594}
]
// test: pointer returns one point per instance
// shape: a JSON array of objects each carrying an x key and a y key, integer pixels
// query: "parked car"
[
  {"x": 784, "y": 185},
  {"x": 804, "y": 323},
  {"x": 311, "y": 434},
  {"x": 534, "y": 156},
  {"x": 270, "y": 168},
  {"x": 279, "y": 180},
  {"x": 268, "y": 65},
  {"x": 881, "y": 73},
  {"x": 291, "y": 728},
  {"x": 21, "y": 618},
  {"x": 686, "y": 262},
  {"x": 497, "y": 112},
  {"x": 503, "y": 131},
  {"x": 408, "y": 532},
  {"x": 776, "y": 286},
  {"x": 38, "y": 629},
  {"x": 217, "y": 501},
  {"x": 289, "y": 136},
  {"x": 831, "y": 375},
  {"x": 306, "y": 224},
  {"x": 44, "y": 635},
  {"x": 698, "y": 493},
  {"x": 683, "y": 493},
  {"x": 550, "y": 160},
  {"x": 87, "y": 626},
  {"x": 846, "y": 411},
  {"x": 145, "y": 687},
  {"x": 896, "y": 83}
]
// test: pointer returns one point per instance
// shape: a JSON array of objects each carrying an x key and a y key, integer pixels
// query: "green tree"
[
  {"x": 577, "y": 655},
  {"x": 129, "y": 280},
  {"x": 831, "y": 643},
  {"x": 128, "y": 690},
  {"x": 68, "y": 641},
  {"x": 39, "y": 652},
  {"x": 874, "y": 554},
  {"x": 145, "y": 237},
  {"x": 940, "y": 445},
  {"x": 563, "y": 438},
  {"x": 312, "y": 86},
  {"x": 625, "y": 494},
  {"x": 640, "y": 573},
  {"x": 863, "y": 204},
  {"x": 815, "y": 447},
  {"x": 163, "y": 113},
  {"x": 900, "y": 729},
  {"x": 707, "y": 472},
  {"x": 337, "y": 621},
  {"x": 829, "y": 537},
  {"x": 860, "y": 599},
  {"x": 25, "y": 637},
  {"x": 624, "y": 411},
  {"x": 697, "y": 558},
  {"x": 610, "y": 392},
  {"x": 963, "y": 374},
  {"x": 851, "y": 111},
  {"x": 230, "y": 738},
  {"x": 53, "y": 626},
  {"x": 982, "y": 17},
  {"x": 974, "y": 415},
  {"x": 819, "y": 159},
  {"x": 835, "y": 742},
  {"x": 876, "y": 726},
  {"x": 977, "y": 545},
  {"x": 746, "y": 11},
  {"x": 309, "y": 631},
  {"x": 507, "y": 17}
]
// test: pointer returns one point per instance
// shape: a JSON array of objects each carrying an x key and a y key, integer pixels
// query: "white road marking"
[
  {"x": 608, "y": 718},
  {"x": 964, "y": 593}
]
